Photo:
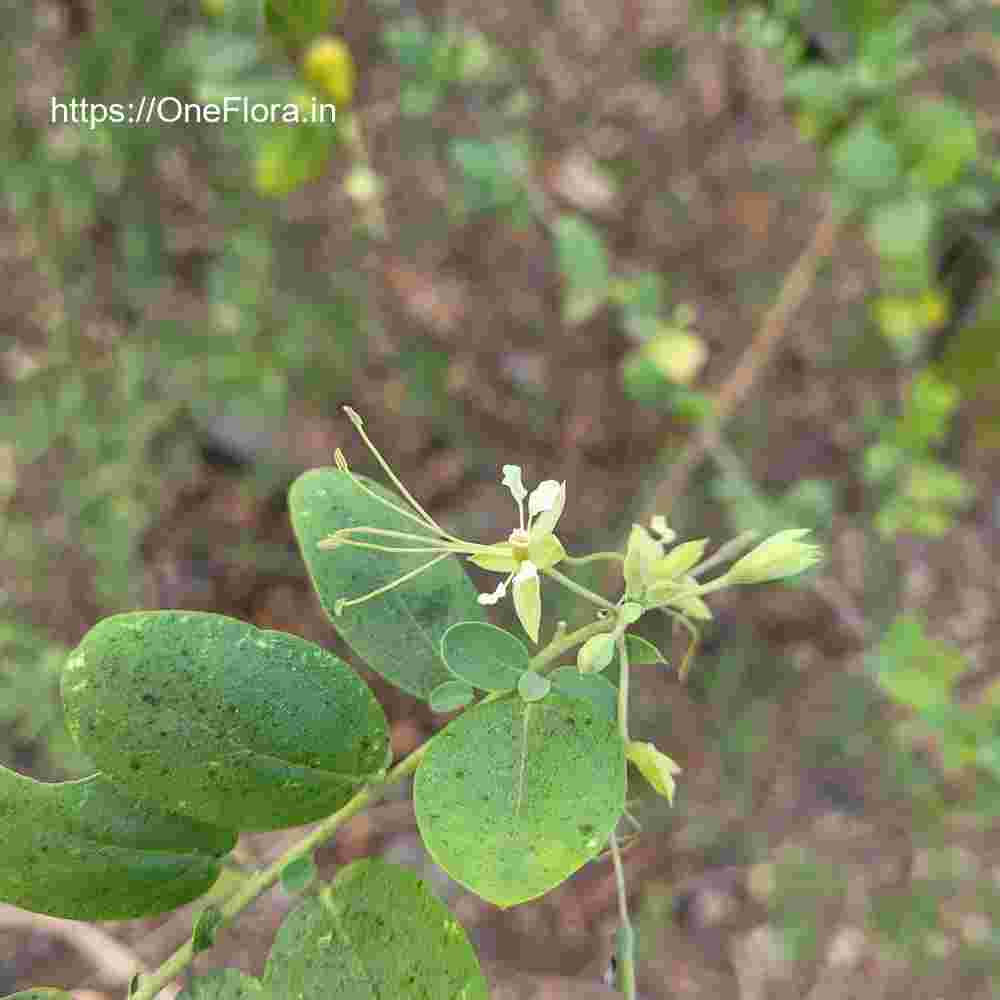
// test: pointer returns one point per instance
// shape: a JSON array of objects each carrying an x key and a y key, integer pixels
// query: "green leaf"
[
  {"x": 243, "y": 727},
  {"x": 584, "y": 263},
  {"x": 375, "y": 931},
  {"x": 661, "y": 63},
  {"x": 864, "y": 160},
  {"x": 299, "y": 874},
  {"x": 532, "y": 686},
  {"x": 940, "y": 139},
  {"x": 513, "y": 797},
  {"x": 295, "y": 22},
  {"x": 292, "y": 155},
  {"x": 902, "y": 229},
  {"x": 84, "y": 850},
  {"x": 398, "y": 633},
  {"x": 593, "y": 688},
  {"x": 491, "y": 172},
  {"x": 451, "y": 695},
  {"x": 642, "y": 651},
  {"x": 223, "y": 984},
  {"x": 487, "y": 657},
  {"x": 914, "y": 669},
  {"x": 206, "y": 924}
]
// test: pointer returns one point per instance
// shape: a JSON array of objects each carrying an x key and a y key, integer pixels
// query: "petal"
[
  {"x": 500, "y": 559},
  {"x": 547, "y": 518},
  {"x": 546, "y": 551},
  {"x": 528, "y": 599},
  {"x": 498, "y": 595},
  {"x": 543, "y": 497},
  {"x": 512, "y": 480}
]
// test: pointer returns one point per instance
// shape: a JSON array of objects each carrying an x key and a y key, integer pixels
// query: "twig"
[{"x": 734, "y": 390}]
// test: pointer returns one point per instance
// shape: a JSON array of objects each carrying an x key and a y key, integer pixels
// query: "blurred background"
[{"x": 548, "y": 232}]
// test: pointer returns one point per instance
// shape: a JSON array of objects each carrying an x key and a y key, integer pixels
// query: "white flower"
[{"x": 530, "y": 547}]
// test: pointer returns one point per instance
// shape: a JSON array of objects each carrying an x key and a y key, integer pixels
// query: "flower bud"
[
  {"x": 596, "y": 654},
  {"x": 657, "y": 768},
  {"x": 328, "y": 66},
  {"x": 776, "y": 557}
]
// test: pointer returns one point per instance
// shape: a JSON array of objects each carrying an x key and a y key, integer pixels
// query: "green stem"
[
  {"x": 626, "y": 935},
  {"x": 732, "y": 548},
  {"x": 623, "y": 688},
  {"x": 593, "y": 557},
  {"x": 150, "y": 986},
  {"x": 567, "y": 640},
  {"x": 579, "y": 589}
]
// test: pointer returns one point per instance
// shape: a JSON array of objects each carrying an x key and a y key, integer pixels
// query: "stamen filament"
[
  {"x": 359, "y": 425},
  {"x": 342, "y": 602},
  {"x": 695, "y": 636},
  {"x": 342, "y": 465}
]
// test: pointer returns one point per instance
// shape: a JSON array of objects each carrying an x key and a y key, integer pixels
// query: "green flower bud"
[
  {"x": 657, "y": 768},
  {"x": 596, "y": 654},
  {"x": 776, "y": 557}
]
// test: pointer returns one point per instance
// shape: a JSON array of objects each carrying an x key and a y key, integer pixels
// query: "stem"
[
  {"x": 567, "y": 640},
  {"x": 626, "y": 935},
  {"x": 342, "y": 603},
  {"x": 579, "y": 589},
  {"x": 623, "y": 688},
  {"x": 732, "y": 548},
  {"x": 150, "y": 986},
  {"x": 593, "y": 557},
  {"x": 794, "y": 291}
]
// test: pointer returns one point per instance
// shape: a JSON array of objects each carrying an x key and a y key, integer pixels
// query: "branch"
[{"x": 735, "y": 389}]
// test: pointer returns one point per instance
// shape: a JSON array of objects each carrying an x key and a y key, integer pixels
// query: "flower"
[
  {"x": 530, "y": 547},
  {"x": 779, "y": 556}
]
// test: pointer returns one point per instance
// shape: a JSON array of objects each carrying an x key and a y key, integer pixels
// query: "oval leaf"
[
  {"x": 487, "y": 657},
  {"x": 593, "y": 688},
  {"x": 451, "y": 695},
  {"x": 642, "y": 651},
  {"x": 238, "y": 726},
  {"x": 399, "y": 632},
  {"x": 513, "y": 797},
  {"x": 84, "y": 850},
  {"x": 223, "y": 984},
  {"x": 375, "y": 931}
]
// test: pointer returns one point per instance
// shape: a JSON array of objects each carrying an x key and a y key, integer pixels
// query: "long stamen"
[
  {"x": 338, "y": 457},
  {"x": 343, "y": 602},
  {"x": 408, "y": 536},
  {"x": 355, "y": 419},
  {"x": 693, "y": 645}
]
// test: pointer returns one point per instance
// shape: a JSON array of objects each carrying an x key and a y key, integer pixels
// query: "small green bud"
[
  {"x": 532, "y": 686},
  {"x": 643, "y": 550},
  {"x": 596, "y": 654},
  {"x": 776, "y": 557},
  {"x": 657, "y": 768}
]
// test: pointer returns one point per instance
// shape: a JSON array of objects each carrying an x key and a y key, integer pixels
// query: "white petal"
[
  {"x": 546, "y": 521},
  {"x": 543, "y": 497},
  {"x": 512, "y": 480},
  {"x": 527, "y": 571},
  {"x": 498, "y": 595}
]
